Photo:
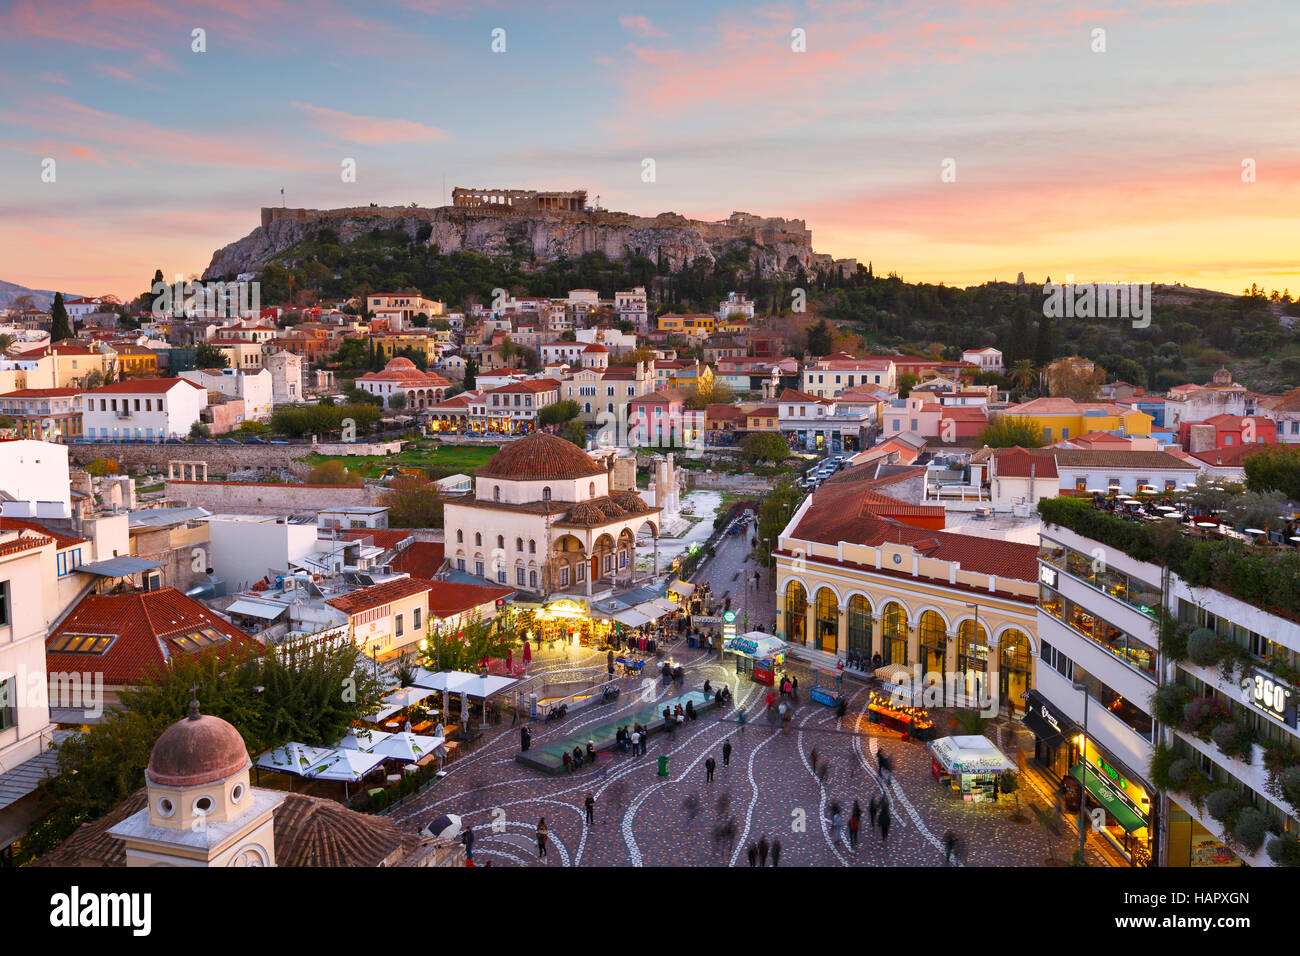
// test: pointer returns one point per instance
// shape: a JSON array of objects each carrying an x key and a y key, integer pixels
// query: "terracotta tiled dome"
[
  {"x": 585, "y": 512},
  {"x": 631, "y": 502},
  {"x": 612, "y": 509},
  {"x": 540, "y": 457},
  {"x": 195, "y": 751},
  {"x": 400, "y": 364}
]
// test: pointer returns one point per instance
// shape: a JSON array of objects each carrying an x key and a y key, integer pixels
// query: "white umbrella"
[
  {"x": 406, "y": 747},
  {"x": 446, "y": 826},
  {"x": 294, "y": 758},
  {"x": 360, "y": 739},
  {"x": 348, "y": 766}
]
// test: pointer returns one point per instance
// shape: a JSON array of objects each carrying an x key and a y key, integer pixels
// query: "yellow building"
[
  {"x": 65, "y": 366},
  {"x": 690, "y": 379},
  {"x": 387, "y": 620},
  {"x": 136, "y": 361},
  {"x": 763, "y": 418},
  {"x": 425, "y": 341},
  {"x": 1064, "y": 418},
  {"x": 857, "y": 573},
  {"x": 700, "y": 324}
]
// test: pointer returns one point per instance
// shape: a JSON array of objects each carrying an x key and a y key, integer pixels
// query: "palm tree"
[{"x": 1023, "y": 374}]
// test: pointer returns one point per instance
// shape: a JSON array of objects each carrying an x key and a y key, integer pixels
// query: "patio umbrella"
[
  {"x": 445, "y": 826},
  {"x": 360, "y": 739},
  {"x": 406, "y": 747},
  {"x": 348, "y": 766}
]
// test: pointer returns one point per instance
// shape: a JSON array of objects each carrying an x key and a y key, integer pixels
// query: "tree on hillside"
[
  {"x": 711, "y": 392},
  {"x": 821, "y": 338},
  {"x": 1007, "y": 431},
  {"x": 413, "y": 503},
  {"x": 1044, "y": 348},
  {"x": 906, "y": 382},
  {"x": 1075, "y": 380},
  {"x": 764, "y": 446},
  {"x": 208, "y": 355},
  {"x": 1023, "y": 374},
  {"x": 352, "y": 353},
  {"x": 471, "y": 370},
  {"x": 61, "y": 328},
  {"x": 333, "y": 473}
]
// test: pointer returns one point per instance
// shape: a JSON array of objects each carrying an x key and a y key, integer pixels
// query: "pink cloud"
[
  {"x": 641, "y": 26},
  {"x": 59, "y": 78},
  {"x": 60, "y": 150},
  {"x": 370, "y": 130}
]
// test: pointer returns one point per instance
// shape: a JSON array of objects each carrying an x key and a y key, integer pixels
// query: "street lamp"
[
  {"x": 374, "y": 651},
  {"x": 976, "y": 606},
  {"x": 1083, "y": 765}
]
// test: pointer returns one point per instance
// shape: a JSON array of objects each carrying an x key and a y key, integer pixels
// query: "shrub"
[
  {"x": 1168, "y": 701},
  {"x": 1250, "y": 829},
  {"x": 1180, "y": 771},
  {"x": 1221, "y": 803},
  {"x": 1288, "y": 782},
  {"x": 1284, "y": 851},
  {"x": 1233, "y": 739},
  {"x": 1203, "y": 647},
  {"x": 1201, "y": 714},
  {"x": 378, "y": 801}
]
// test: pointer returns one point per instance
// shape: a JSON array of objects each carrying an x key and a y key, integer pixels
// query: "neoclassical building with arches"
[
  {"x": 959, "y": 610},
  {"x": 543, "y": 519}
]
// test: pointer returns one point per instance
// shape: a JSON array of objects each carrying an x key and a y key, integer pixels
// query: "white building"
[
  {"x": 632, "y": 306},
  {"x": 254, "y": 388},
  {"x": 34, "y": 479},
  {"x": 829, "y": 376},
  {"x": 146, "y": 408},
  {"x": 244, "y": 548},
  {"x": 736, "y": 302},
  {"x": 286, "y": 376},
  {"x": 989, "y": 359}
]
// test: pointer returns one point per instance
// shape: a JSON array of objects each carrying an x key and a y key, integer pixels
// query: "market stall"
[
  {"x": 971, "y": 764},
  {"x": 758, "y": 654},
  {"x": 680, "y": 591},
  {"x": 910, "y": 721}
]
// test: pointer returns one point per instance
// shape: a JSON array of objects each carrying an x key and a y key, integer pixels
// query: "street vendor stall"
[
  {"x": 971, "y": 764},
  {"x": 910, "y": 721},
  {"x": 758, "y": 654},
  {"x": 827, "y": 688},
  {"x": 680, "y": 591}
]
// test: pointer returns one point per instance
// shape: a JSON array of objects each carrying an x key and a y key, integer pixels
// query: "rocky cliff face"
[{"x": 783, "y": 245}]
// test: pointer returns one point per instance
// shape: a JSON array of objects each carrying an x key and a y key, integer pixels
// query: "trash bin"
[{"x": 663, "y": 765}]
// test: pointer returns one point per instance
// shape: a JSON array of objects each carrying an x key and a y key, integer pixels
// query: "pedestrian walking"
[
  {"x": 709, "y": 766},
  {"x": 884, "y": 823},
  {"x": 837, "y": 824},
  {"x": 753, "y": 854},
  {"x": 873, "y": 808},
  {"x": 542, "y": 833},
  {"x": 776, "y": 852},
  {"x": 762, "y": 851},
  {"x": 591, "y": 810},
  {"x": 726, "y": 753},
  {"x": 794, "y": 687},
  {"x": 525, "y": 738},
  {"x": 949, "y": 844},
  {"x": 467, "y": 838},
  {"x": 636, "y": 743},
  {"x": 855, "y": 823}
]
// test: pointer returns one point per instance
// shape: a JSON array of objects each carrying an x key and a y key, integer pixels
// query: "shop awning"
[
  {"x": 652, "y": 610},
  {"x": 1046, "y": 721},
  {"x": 969, "y": 753},
  {"x": 682, "y": 588},
  {"x": 632, "y": 618},
  {"x": 756, "y": 644},
  {"x": 1125, "y": 815}
]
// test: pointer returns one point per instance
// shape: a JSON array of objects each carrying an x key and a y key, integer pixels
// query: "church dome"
[
  {"x": 400, "y": 364},
  {"x": 540, "y": 457},
  {"x": 195, "y": 751}
]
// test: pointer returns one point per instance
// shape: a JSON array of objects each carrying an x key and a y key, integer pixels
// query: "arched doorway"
[
  {"x": 932, "y": 633},
  {"x": 973, "y": 658},
  {"x": 859, "y": 630},
  {"x": 828, "y": 621},
  {"x": 1014, "y": 664},
  {"x": 894, "y": 632},
  {"x": 796, "y": 613}
]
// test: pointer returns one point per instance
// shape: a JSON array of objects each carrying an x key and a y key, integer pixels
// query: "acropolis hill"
[{"x": 523, "y": 223}]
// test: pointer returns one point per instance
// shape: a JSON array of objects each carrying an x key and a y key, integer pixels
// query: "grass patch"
[{"x": 437, "y": 459}]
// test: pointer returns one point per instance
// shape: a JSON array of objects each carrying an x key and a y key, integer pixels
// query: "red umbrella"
[{"x": 510, "y": 659}]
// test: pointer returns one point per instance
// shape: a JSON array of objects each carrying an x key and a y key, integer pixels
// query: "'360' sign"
[{"x": 1269, "y": 695}]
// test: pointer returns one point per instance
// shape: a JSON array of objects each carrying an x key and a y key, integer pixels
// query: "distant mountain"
[{"x": 43, "y": 298}]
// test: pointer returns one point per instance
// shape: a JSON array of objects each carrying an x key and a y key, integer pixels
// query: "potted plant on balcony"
[
  {"x": 1203, "y": 647},
  {"x": 1223, "y": 804},
  {"x": 1168, "y": 701},
  {"x": 1234, "y": 739},
  {"x": 1250, "y": 828},
  {"x": 1202, "y": 714}
]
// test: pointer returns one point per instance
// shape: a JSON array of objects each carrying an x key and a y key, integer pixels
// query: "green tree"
[
  {"x": 334, "y": 472},
  {"x": 208, "y": 355},
  {"x": 575, "y": 432},
  {"x": 557, "y": 413},
  {"x": 60, "y": 328},
  {"x": 461, "y": 649},
  {"x": 821, "y": 338},
  {"x": 1007, "y": 431},
  {"x": 906, "y": 382},
  {"x": 764, "y": 446},
  {"x": 471, "y": 370},
  {"x": 200, "y": 430},
  {"x": 1274, "y": 468},
  {"x": 413, "y": 503},
  {"x": 773, "y": 515},
  {"x": 397, "y": 400},
  {"x": 352, "y": 353}
]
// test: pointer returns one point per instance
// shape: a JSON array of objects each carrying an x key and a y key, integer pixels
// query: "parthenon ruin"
[{"x": 525, "y": 200}]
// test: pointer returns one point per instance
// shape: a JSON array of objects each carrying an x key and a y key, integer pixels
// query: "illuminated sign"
[
  {"x": 1047, "y": 575},
  {"x": 729, "y": 616},
  {"x": 1263, "y": 691}
]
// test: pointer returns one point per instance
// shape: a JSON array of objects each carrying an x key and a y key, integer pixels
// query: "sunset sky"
[{"x": 1123, "y": 165}]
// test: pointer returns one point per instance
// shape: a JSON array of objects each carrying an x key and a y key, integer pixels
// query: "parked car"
[
  {"x": 226, "y": 441},
  {"x": 256, "y": 441}
]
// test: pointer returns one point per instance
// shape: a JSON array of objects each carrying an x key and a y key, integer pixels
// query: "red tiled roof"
[
  {"x": 421, "y": 559},
  {"x": 530, "y": 385},
  {"x": 794, "y": 395},
  {"x": 61, "y": 540},
  {"x": 963, "y": 413},
  {"x": 377, "y": 595},
  {"x": 143, "y": 386},
  {"x": 1230, "y": 457},
  {"x": 540, "y": 456},
  {"x": 41, "y": 393},
  {"x": 1019, "y": 463},
  {"x": 143, "y": 623},
  {"x": 449, "y": 597}
]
